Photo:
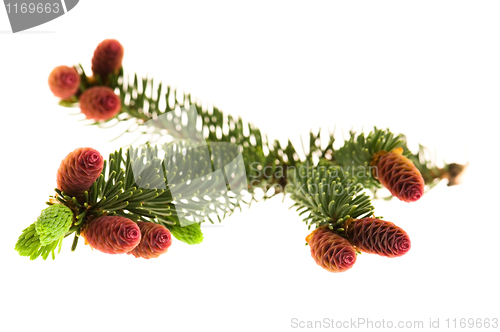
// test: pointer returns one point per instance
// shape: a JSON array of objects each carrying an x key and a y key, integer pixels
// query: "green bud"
[
  {"x": 29, "y": 241},
  {"x": 53, "y": 223},
  {"x": 190, "y": 234}
]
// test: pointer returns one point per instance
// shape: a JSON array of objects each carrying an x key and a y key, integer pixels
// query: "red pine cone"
[
  {"x": 107, "y": 58},
  {"x": 398, "y": 174},
  {"x": 64, "y": 81},
  {"x": 331, "y": 251},
  {"x": 112, "y": 234},
  {"x": 79, "y": 170},
  {"x": 99, "y": 103},
  {"x": 155, "y": 240},
  {"x": 375, "y": 236}
]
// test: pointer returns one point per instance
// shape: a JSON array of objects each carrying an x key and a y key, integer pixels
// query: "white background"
[{"x": 429, "y": 69}]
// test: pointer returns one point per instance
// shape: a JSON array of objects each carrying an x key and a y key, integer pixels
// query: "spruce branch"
[
  {"x": 215, "y": 160},
  {"x": 156, "y": 110}
]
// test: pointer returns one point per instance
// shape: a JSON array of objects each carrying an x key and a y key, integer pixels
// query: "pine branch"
[
  {"x": 211, "y": 166},
  {"x": 166, "y": 111}
]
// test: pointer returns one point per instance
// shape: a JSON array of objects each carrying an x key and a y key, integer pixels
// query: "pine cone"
[
  {"x": 375, "y": 236},
  {"x": 79, "y": 170},
  {"x": 64, "y": 81},
  {"x": 155, "y": 240},
  {"x": 331, "y": 251},
  {"x": 107, "y": 58},
  {"x": 112, "y": 234},
  {"x": 53, "y": 223},
  {"x": 100, "y": 103},
  {"x": 398, "y": 174}
]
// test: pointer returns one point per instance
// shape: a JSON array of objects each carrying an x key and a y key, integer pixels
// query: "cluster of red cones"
[
  {"x": 337, "y": 253},
  {"x": 119, "y": 235},
  {"x": 109, "y": 234},
  {"x": 99, "y": 103}
]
